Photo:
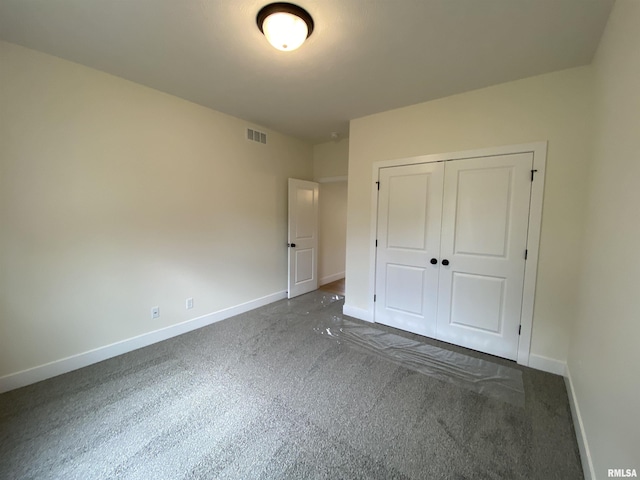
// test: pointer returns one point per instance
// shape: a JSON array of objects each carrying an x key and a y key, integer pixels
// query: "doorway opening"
[{"x": 337, "y": 287}]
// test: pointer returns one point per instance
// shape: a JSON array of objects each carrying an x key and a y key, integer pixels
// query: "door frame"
[{"x": 539, "y": 151}]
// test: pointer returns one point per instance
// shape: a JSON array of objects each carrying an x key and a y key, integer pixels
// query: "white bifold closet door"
[{"x": 451, "y": 250}]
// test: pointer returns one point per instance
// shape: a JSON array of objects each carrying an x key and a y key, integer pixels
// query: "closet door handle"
[
  {"x": 445, "y": 262},
  {"x": 434, "y": 261}
]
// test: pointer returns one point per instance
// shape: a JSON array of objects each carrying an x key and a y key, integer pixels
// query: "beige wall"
[
  {"x": 604, "y": 358},
  {"x": 554, "y": 107},
  {"x": 115, "y": 197},
  {"x": 331, "y": 161}
]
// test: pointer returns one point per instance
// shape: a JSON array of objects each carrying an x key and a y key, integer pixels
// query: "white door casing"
[
  {"x": 303, "y": 237},
  {"x": 536, "y": 153},
  {"x": 485, "y": 217},
  {"x": 409, "y": 215}
]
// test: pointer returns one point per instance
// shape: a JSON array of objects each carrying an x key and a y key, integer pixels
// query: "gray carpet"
[{"x": 263, "y": 395}]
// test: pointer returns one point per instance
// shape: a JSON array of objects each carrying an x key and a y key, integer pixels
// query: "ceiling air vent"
[{"x": 256, "y": 136}]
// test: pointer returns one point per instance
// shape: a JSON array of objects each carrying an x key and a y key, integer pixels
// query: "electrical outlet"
[
  {"x": 155, "y": 312},
  {"x": 189, "y": 303}
]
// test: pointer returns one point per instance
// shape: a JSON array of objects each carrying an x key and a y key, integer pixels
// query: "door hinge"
[
  {"x": 374, "y": 298},
  {"x": 533, "y": 172},
  {"x": 526, "y": 254},
  {"x": 376, "y": 243},
  {"x": 519, "y": 329},
  {"x": 378, "y": 184}
]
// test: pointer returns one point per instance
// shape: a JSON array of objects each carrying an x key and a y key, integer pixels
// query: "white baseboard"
[
  {"x": 74, "y": 362},
  {"x": 359, "y": 313},
  {"x": 331, "y": 278},
  {"x": 581, "y": 437},
  {"x": 547, "y": 364}
]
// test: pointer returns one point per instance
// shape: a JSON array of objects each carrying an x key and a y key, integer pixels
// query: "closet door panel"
[
  {"x": 483, "y": 242},
  {"x": 408, "y": 237}
]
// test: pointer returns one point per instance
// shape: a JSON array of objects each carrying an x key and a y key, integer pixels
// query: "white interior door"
[
  {"x": 409, "y": 212},
  {"x": 303, "y": 237},
  {"x": 485, "y": 218},
  {"x": 450, "y": 256}
]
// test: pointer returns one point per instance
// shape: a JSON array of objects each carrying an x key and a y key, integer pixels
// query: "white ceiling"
[{"x": 364, "y": 56}]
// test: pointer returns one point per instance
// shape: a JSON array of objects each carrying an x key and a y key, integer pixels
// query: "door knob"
[
  {"x": 291, "y": 245},
  {"x": 445, "y": 262},
  {"x": 434, "y": 261}
]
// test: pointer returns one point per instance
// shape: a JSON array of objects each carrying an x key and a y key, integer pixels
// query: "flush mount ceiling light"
[{"x": 285, "y": 25}]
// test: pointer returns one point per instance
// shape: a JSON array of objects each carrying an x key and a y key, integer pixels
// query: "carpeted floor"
[{"x": 263, "y": 395}]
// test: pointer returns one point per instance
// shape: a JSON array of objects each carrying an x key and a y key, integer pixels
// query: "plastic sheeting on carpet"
[
  {"x": 320, "y": 302},
  {"x": 481, "y": 376}
]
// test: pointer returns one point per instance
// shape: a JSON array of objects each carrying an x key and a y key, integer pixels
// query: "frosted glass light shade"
[
  {"x": 285, "y": 25},
  {"x": 285, "y": 31}
]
